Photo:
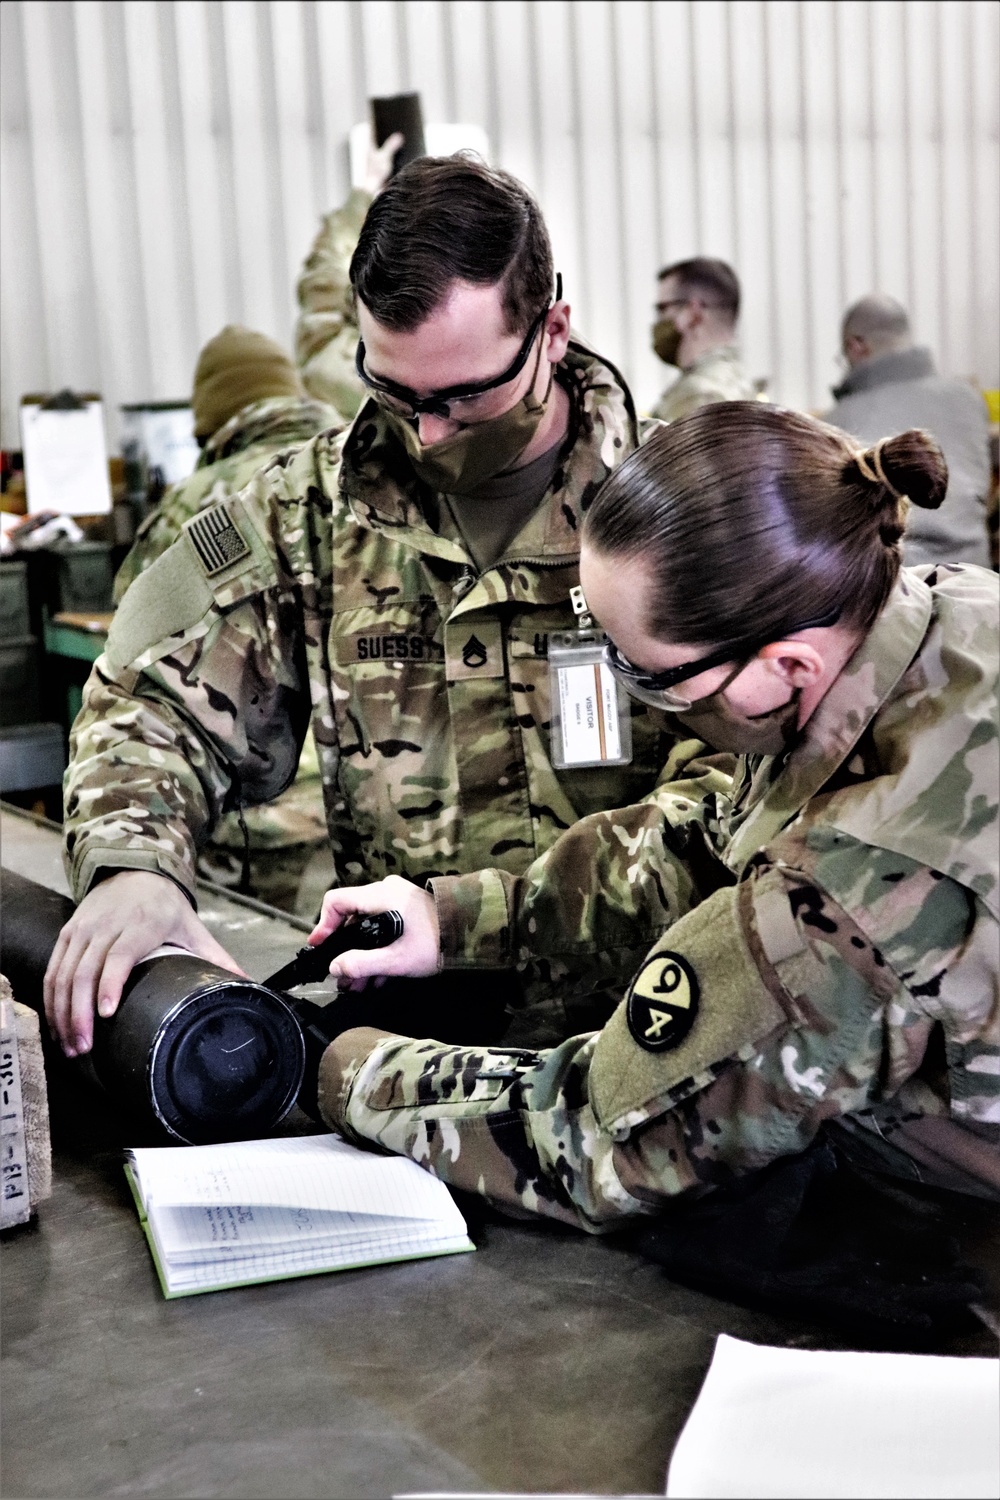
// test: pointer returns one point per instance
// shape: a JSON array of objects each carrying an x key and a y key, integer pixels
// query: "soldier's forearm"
[
  {"x": 139, "y": 794},
  {"x": 611, "y": 884},
  {"x": 516, "y": 1128}
]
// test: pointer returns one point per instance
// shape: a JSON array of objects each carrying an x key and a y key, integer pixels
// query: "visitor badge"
[{"x": 591, "y": 723}]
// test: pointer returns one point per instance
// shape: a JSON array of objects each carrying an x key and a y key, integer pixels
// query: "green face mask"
[
  {"x": 715, "y": 720},
  {"x": 666, "y": 340},
  {"x": 460, "y": 464}
]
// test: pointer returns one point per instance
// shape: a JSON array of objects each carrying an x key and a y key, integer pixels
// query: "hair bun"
[{"x": 914, "y": 466}]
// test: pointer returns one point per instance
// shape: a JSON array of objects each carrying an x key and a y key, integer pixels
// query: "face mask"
[
  {"x": 475, "y": 453},
  {"x": 715, "y": 720},
  {"x": 666, "y": 340}
]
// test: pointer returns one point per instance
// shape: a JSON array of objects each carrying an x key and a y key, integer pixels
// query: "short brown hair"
[
  {"x": 451, "y": 218},
  {"x": 717, "y": 280},
  {"x": 752, "y": 518}
]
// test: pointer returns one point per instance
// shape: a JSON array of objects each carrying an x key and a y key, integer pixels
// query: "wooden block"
[{"x": 25, "y": 1148}]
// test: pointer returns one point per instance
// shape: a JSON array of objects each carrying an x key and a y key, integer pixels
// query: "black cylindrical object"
[
  {"x": 207, "y": 1055},
  {"x": 215, "y": 1057},
  {"x": 400, "y": 112}
]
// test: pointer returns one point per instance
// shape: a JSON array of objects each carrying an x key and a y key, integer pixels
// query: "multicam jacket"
[
  {"x": 326, "y": 334},
  {"x": 717, "y": 376},
  {"x": 336, "y": 587},
  {"x": 855, "y": 921},
  {"x": 228, "y": 461}
]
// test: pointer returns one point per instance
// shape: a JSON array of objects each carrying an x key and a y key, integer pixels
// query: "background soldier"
[
  {"x": 248, "y": 405},
  {"x": 398, "y": 585},
  {"x": 326, "y": 334},
  {"x": 891, "y": 384},
  {"x": 697, "y": 306}
]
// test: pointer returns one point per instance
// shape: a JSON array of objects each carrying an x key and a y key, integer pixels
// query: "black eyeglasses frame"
[
  {"x": 660, "y": 682},
  {"x": 437, "y": 403}
]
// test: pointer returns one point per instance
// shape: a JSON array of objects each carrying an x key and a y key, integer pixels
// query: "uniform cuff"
[
  {"x": 473, "y": 920},
  {"x": 97, "y": 864},
  {"x": 339, "y": 1067}
]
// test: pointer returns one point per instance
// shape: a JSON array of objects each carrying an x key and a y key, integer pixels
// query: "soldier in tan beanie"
[
  {"x": 238, "y": 366},
  {"x": 249, "y": 405}
]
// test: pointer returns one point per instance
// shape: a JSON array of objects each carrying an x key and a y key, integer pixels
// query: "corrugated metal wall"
[{"x": 164, "y": 165}]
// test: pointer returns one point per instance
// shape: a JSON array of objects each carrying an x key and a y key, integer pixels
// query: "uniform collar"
[
  {"x": 863, "y": 686},
  {"x": 385, "y": 495},
  {"x": 267, "y": 420},
  {"x": 724, "y": 354},
  {"x": 887, "y": 369}
]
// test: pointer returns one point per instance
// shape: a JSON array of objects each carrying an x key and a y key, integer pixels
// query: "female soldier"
[{"x": 745, "y": 565}]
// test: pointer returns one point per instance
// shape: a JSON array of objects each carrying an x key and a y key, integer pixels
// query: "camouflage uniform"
[
  {"x": 856, "y": 908},
  {"x": 285, "y": 835},
  {"x": 228, "y": 461},
  {"x": 326, "y": 335},
  {"x": 338, "y": 586},
  {"x": 717, "y": 376}
]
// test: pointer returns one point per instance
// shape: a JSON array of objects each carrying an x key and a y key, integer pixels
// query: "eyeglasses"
[
  {"x": 655, "y": 688},
  {"x": 405, "y": 402},
  {"x": 664, "y": 307}
]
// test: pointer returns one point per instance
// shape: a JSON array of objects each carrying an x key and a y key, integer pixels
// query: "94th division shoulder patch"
[{"x": 663, "y": 1002}]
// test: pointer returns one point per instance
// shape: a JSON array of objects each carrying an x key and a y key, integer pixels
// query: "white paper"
[
  {"x": 169, "y": 442},
  {"x": 66, "y": 460},
  {"x": 801, "y": 1422},
  {"x": 440, "y": 140},
  {"x": 309, "y": 1172},
  {"x": 588, "y": 713}
]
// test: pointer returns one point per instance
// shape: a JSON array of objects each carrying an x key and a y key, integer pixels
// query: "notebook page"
[
  {"x": 232, "y": 1271},
  {"x": 220, "y": 1226},
  {"x": 319, "y": 1249},
  {"x": 311, "y": 1172}
]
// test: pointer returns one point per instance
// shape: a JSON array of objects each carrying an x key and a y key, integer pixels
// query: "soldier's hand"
[
  {"x": 414, "y": 955},
  {"x": 378, "y": 167},
  {"x": 117, "y": 923}
]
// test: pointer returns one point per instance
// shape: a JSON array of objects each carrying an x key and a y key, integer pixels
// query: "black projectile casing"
[{"x": 206, "y": 1055}]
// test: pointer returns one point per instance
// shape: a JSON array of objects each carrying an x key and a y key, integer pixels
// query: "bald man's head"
[{"x": 874, "y": 326}]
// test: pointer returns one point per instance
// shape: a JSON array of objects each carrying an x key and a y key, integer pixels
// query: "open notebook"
[{"x": 222, "y": 1216}]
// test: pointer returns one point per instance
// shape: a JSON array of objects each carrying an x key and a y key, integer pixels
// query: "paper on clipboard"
[{"x": 65, "y": 459}]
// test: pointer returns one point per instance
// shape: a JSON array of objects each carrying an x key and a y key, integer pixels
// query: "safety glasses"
[
  {"x": 406, "y": 403},
  {"x": 656, "y": 688}
]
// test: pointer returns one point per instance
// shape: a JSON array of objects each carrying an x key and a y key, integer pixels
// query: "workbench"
[{"x": 548, "y": 1361}]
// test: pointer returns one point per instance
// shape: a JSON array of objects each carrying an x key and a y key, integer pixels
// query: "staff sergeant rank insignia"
[
  {"x": 216, "y": 540},
  {"x": 474, "y": 653},
  {"x": 663, "y": 1002}
]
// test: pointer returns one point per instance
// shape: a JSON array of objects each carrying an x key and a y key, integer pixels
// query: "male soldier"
[
  {"x": 399, "y": 584},
  {"x": 248, "y": 405},
  {"x": 697, "y": 307},
  {"x": 891, "y": 385}
]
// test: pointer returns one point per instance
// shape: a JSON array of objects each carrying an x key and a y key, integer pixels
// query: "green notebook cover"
[{"x": 227, "y": 1286}]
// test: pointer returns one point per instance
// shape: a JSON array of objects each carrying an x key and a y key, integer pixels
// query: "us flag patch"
[{"x": 216, "y": 540}]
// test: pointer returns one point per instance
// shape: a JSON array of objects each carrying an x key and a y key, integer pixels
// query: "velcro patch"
[
  {"x": 217, "y": 540},
  {"x": 397, "y": 646},
  {"x": 474, "y": 648},
  {"x": 642, "y": 1064},
  {"x": 662, "y": 1002}
]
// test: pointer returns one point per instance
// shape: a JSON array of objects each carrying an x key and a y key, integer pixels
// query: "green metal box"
[
  {"x": 20, "y": 661},
  {"x": 15, "y": 618}
]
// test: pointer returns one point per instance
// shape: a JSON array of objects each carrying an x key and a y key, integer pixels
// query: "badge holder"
[{"x": 591, "y": 723}]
